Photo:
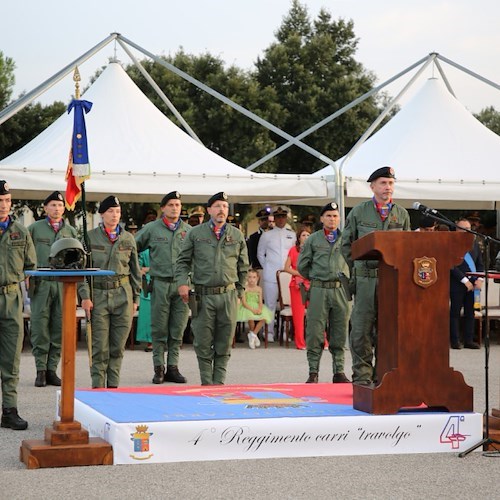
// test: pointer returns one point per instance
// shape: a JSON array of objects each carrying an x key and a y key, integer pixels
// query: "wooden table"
[{"x": 66, "y": 443}]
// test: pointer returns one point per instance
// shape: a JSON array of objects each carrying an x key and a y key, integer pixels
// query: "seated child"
[{"x": 252, "y": 309}]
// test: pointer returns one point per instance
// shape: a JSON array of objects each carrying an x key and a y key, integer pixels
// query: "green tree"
[
  {"x": 490, "y": 117},
  {"x": 222, "y": 129},
  {"x": 7, "y": 79},
  {"x": 313, "y": 71}
]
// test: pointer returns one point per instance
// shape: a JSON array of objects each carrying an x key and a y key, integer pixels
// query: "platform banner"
[{"x": 228, "y": 439}]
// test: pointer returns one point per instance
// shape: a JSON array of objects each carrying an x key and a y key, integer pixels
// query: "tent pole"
[
  {"x": 384, "y": 113},
  {"x": 160, "y": 93},
  {"x": 328, "y": 119},
  {"x": 21, "y": 103},
  {"x": 227, "y": 101},
  {"x": 444, "y": 77},
  {"x": 469, "y": 72}
]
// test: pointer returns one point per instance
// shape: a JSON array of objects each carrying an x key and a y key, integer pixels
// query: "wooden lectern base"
[{"x": 65, "y": 445}]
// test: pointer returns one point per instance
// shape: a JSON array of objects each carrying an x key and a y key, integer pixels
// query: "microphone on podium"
[{"x": 425, "y": 210}]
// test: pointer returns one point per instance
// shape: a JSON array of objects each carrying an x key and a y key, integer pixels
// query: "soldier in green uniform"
[
  {"x": 17, "y": 254},
  {"x": 216, "y": 253},
  {"x": 321, "y": 261},
  {"x": 115, "y": 298},
  {"x": 46, "y": 293},
  {"x": 169, "y": 314},
  {"x": 378, "y": 214}
]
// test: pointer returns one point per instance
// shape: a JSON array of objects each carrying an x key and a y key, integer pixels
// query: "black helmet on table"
[{"x": 67, "y": 253}]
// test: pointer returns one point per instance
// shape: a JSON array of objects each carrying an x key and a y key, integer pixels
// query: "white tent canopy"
[
  {"x": 442, "y": 155},
  {"x": 138, "y": 154}
]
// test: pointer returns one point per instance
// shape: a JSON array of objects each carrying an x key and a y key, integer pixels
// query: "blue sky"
[{"x": 43, "y": 37}]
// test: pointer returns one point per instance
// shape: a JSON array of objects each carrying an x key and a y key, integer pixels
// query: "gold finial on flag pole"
[{"x": 77, "y": 79}]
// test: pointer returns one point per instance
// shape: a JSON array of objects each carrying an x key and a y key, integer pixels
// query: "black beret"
[
  {"x": 382, "y": 172},
  {"x": 109, "y": 202},
  {"x": 174, "y": 195},
  {"x": 4, "y": 188},
  {"x": 328, "y": 207},
  {"x": 263, "y": 213},
  {"x": 216, "y": 197},
  {"x": 56, "y": 196},
  {"x": 279, "y": 210}
]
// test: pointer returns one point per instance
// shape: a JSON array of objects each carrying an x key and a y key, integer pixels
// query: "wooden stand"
[
  {"x": 413, "y": 322},
  {"x": 66, "y": 443}
]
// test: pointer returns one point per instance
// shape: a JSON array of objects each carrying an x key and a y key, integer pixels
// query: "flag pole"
[{"x": 77, "y": 79}]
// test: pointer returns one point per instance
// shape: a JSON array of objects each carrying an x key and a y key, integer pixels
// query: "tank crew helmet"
[{"x": 67, "y": 253}]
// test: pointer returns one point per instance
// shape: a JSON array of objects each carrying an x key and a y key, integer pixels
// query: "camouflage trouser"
[
  {"x": 363, "y": 322},
  {"x": 11, "y": 342},
  {"x": 327, "y": 307},
  {"x": 213, "y": 331},
  {"x": 111, "y": 323},
  {"x": 169, "y": 317},
  {"x": 46, "y": 324}
]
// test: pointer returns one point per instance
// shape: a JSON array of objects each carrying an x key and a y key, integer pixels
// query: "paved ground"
[{"x": 369, "y": 477}]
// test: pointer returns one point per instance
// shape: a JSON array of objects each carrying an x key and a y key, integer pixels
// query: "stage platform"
[{"x": 165, "y": 423}]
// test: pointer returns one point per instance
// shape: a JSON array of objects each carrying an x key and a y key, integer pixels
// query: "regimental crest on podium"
[
  {"x": 424, "y": 271},
  {"x": 140, "y": 440}
]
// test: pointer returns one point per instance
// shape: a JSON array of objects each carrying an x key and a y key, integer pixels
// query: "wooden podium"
[
  {"x": 413, "y": 321},
  {"x": 66, "y": 443}
]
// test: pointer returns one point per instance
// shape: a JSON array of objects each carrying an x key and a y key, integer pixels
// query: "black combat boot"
[
  {"x": 173, "y": 375},
  {"x": 313, "y": 378},
  {"x": 12, "y": 420},
  {"x": 52, "y": 378},
  {"x": 340, "y": 378},
  {"x": 41, "y": 380},
  {"x": 159, "y": 377}
]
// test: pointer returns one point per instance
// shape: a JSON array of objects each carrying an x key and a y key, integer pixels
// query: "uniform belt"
[
  {"x": 326, "y": 284},
  {"x": 366, "y": 273},
  {"x": 166, "y": 280},
  {"x": 111, "y": 285},
  {"x": 4, "y": 290},
  {"x": 213, "y": 290}
]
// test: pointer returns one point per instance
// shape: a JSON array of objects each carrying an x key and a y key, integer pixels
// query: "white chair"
[{"x": 285, "y": 309}]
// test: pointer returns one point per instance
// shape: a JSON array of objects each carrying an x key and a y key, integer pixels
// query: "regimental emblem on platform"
[
  {"x": 424, "y": 271},
  {"x": 140, "y": 438},
  {"x": 451, "y": 432}
]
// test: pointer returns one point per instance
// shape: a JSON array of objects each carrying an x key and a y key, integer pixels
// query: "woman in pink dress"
[{"x": 298, "y": 307}]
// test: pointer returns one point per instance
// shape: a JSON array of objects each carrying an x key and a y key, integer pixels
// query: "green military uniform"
[
  {"x": 17, "y": 254},
  {"x": 169, "y": 314},
  {"x": 320, "y": 262},
  {"x": 46, "y": 298},
  {"x": 219, "y": 269},
  {"x": 364, "y": 219},
  {"x": 113, "y": 299}
]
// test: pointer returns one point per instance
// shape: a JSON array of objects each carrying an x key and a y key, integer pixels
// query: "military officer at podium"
[
  {"x": 17, "y": 254},
  {"x": 115, "y": 298},
  {"x": 380, "y": 213},
  {"x": 46, "y": 293},
  {"x": 216, "y": 253}
]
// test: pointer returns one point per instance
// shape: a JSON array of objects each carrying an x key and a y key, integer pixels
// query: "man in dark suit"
[
  {"x": 462, "y": 289},
  {"x": 253, "y": 240}
]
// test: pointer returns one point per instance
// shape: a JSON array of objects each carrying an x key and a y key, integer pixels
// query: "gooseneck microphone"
[{"x": 425, "y": 210}]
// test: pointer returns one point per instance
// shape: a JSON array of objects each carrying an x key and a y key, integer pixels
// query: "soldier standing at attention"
[
  {"x": 216, "y": 253},
  {"x": 115, "y": 298},
  {"x": 321, "y": 261},
  {"x": 378, "y": 214},
  {"x": 46, "y": 293},
  {"x": 17, "y": 254},
  {"x": 169, "y": 314}
]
